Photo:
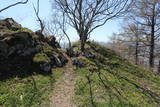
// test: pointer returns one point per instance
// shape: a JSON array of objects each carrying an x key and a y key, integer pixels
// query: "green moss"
[
  {"x": 24, "y": 30},
  {"x": 41, "y": 57}
]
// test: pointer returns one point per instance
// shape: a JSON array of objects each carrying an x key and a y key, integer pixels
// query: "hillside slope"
[
  {"x": 32, "y": 68},
  {"x": 105, "y": 79}
]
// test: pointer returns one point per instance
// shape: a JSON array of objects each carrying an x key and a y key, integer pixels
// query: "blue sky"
[{"x": 24, "y": 15}]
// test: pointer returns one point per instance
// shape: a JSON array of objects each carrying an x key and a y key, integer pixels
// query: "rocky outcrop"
[
  {"x": 23, "y": 52},
  {"x": 18, "y": 44}
]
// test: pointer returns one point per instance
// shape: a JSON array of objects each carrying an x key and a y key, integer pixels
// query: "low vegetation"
[
  {"x": 30, "y": 91},
  {"x": 29, "y": 66},
  {"x": 115, "y": 82}
]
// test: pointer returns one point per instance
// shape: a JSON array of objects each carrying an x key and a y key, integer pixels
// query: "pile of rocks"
[{"x": 18, "y": 47}]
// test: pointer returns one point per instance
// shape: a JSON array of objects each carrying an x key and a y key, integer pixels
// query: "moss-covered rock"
[{"x": 40, "y": 58}]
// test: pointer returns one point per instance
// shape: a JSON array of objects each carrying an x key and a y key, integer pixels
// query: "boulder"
[
  {"x": 55, "y": 60},
  {"x": 78, "y": 62},
  {"x": 63, "y": 59},
  {"x": 88, "y": 54},
  {"x": 72, "y": 53},
  {"x": 46, "y": 67},
  {"x": 51, "y": 40}
]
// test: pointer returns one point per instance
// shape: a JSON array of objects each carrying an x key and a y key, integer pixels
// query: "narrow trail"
[{"x": 64, "y": 91}]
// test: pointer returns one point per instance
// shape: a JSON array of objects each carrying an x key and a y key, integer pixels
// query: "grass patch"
[
  {"x": 115, "y": 83},
  {"x": 31, "y": 91}
]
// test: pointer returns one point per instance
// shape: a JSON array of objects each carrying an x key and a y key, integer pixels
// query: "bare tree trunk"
[
  {"x": 136, "y": 52},
  {"x": 82, "y": 45},
  {"x": 152, "y": 42},
  {"x": 151, "y": 58},
  {"x": 159, "y": 67},
  {"x": 83, "y": 40},
  {"x": 69, "y": 41},
  {"x": 64, "y": 31}
]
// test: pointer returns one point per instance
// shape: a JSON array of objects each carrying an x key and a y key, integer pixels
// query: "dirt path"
[{"x": 64, "y": 92}]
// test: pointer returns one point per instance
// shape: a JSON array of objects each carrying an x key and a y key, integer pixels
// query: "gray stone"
[
  {"x": 58, "y": 61},
  {"x": 45, "y": 67},
  {"x": 72, "y": 53},
  {"x": 88, "y": 54},
  {"x": 63, "y": 59},
  {"x": 78, "y": 62}
]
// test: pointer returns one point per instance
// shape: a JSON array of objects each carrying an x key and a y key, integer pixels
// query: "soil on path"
[{"x": 64, "y": 91}]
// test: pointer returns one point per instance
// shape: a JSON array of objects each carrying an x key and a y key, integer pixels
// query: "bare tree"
[
  {"x": 131, "y": 43},
  {"x": 63, "y": 28},
  {"x": 42, "y": 26},
  {"x": 12, "y": 5},
  {"x": 147, "y": 13},
  {"x": 87, "y": 15},
  {"x": 134, "y": 29},
  {"x": 57, "y": 27}
]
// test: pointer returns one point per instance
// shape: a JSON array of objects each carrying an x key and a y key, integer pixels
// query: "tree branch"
[{"x": 13, "y": 5}]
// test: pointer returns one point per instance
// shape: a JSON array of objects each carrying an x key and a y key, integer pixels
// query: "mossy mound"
[{"x": 114, "y": 81}]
